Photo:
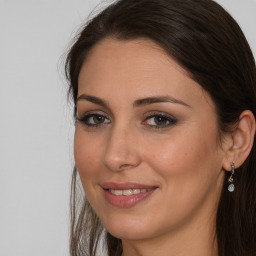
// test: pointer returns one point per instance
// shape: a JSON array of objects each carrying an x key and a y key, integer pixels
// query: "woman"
[{"x": 165, "y": 105}]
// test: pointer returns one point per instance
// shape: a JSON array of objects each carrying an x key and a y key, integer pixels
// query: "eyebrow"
[
  {"x": 93, "y": 99},
  {"x": 160, "y": 99},
  {"x": 137, "y": 103}
]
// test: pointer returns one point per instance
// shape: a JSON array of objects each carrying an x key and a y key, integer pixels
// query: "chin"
[
  {"x": 128, "y": 234},
  {"x": 129, "y": 230}
]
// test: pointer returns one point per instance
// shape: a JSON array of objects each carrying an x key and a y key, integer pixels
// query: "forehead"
[
  {"x": 135, "y": 69},
  {"x": 141, "y": 57}
]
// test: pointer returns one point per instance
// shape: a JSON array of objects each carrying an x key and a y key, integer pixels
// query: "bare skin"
[{"x": 143, "y": 120}]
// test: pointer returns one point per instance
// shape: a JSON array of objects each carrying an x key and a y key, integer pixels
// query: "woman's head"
[
  {"x": 145, "y": 120},
  {"x": 124, "y": 64}
]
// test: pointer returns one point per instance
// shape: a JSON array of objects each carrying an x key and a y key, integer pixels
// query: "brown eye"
[
  {"x": 96, "y": 119},
  {"x": 93, "y": 120},
  {"x": 159, "y": 121}
]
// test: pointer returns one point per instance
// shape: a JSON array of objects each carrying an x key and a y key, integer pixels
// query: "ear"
[{"x": 240, "y": 141}]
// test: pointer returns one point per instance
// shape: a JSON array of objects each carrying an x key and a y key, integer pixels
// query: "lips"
[{"x": 126, "y": 195}]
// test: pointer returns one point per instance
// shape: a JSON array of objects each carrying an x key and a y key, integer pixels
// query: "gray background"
[{"x": 36, "y": 127}]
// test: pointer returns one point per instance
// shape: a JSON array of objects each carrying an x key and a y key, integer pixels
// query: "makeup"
[{"x": 126, "y": 194}]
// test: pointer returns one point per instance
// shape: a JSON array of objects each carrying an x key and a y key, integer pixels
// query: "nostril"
[{"x": 125, "y": 166}]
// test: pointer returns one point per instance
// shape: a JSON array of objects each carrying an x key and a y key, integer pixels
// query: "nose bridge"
[{"x": 121, "y": 152}]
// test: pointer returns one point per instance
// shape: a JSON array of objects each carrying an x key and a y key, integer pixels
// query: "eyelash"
[
  {"x": 170, "y": 120},
  {"x": 84, "y": 120}
]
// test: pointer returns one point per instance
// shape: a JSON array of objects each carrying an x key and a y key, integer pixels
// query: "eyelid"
[
  {"x": 92, "y": 112},
  {"x": 158, "y": 113},
  {"x": 172, "y": 120},
  {"x": 85, "y": 116}
]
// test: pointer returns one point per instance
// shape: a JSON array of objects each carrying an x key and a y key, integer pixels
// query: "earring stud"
[{"x": 231, "y": 186}]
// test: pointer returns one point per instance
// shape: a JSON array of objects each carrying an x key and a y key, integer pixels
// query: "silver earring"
[{"x": 231, "y": 186}]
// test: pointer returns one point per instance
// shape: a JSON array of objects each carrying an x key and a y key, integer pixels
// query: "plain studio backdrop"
[{"x": 36, "y": 126}]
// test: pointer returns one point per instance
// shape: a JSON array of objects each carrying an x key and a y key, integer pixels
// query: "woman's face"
[{"x": 146, "y": 141}]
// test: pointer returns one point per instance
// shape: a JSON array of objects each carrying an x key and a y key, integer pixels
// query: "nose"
[{"x": 122, "y": 151}]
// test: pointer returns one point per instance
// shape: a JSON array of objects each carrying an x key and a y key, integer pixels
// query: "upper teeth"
[{"x": 127, "y": 192}]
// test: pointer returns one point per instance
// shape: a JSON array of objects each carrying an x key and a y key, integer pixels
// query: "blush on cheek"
[
  {"x": 181, "y": 157},
  {"x": 84, "y": 154},
  {"x": 171, "y": 157}
]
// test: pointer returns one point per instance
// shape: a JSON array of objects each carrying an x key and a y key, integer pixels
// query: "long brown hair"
[{"x": 207, "y": 42}]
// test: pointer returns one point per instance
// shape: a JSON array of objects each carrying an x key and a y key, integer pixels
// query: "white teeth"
[
  {"x": 128, "y": 192},
  {"x": 118, "y": 192},
  {"x": 136, "y": 191}
]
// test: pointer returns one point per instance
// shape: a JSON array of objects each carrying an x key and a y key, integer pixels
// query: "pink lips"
[{"x": 136, "y": 193}]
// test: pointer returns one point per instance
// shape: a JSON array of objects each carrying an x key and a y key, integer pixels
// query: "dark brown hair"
[{"x": 207, "y": 42}]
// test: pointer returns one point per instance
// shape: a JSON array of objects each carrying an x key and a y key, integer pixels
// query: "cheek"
[
  {"x": 188, "y": 169},
  {"x": 87, "y": 153},
  {"x": 185, "y": 158}
]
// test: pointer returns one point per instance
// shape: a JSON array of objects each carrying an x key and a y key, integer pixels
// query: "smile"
[
  {"x": 128, "y": 192},
  {"x": 125, "y": 195}
]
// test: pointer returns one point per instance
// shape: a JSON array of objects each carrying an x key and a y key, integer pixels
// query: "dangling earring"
[{"x": 231, "y": 186}]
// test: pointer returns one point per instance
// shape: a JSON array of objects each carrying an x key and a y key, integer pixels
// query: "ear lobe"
[{"x": 241, "y": 142}]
